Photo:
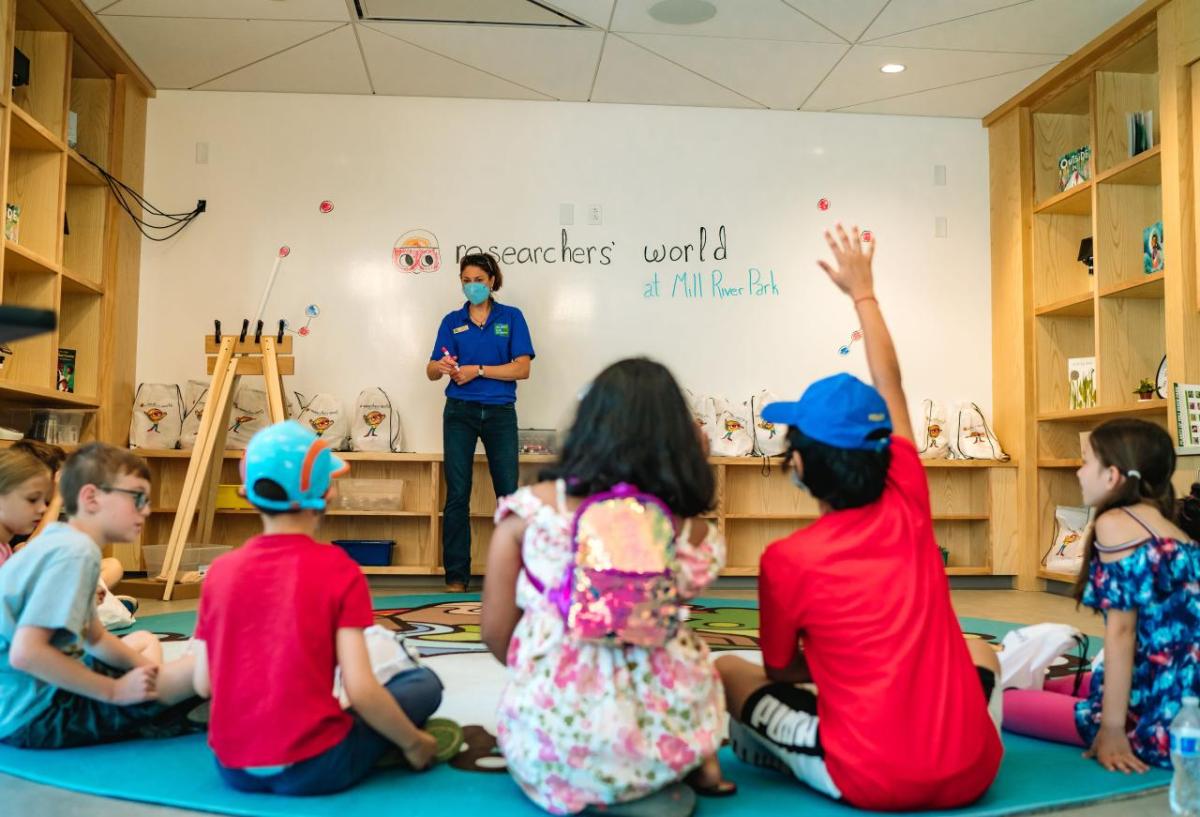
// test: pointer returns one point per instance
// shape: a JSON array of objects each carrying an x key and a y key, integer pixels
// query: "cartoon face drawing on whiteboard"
[{"x": 417, "y": 251}]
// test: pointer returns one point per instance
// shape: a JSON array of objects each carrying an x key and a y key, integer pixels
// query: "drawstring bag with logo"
[
  {"x": 770, "y": 439},
  {"x": 376, "y": 423},
  {"x": 195, "y": 396},
  {"x": 247, "y": 416},
  {"x": 1070, "y": 530},
  {"x": 157, "y": 416},
  {"x": 731, "y": 432},
  {"x": 933, "y": 431},
  {"x": 704, "y": 412},
  {"x": 325, "y": 416},
  {"x": 973, "y": 438}
]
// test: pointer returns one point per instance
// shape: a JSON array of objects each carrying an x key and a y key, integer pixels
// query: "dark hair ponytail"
[
  {"x": 486, "y": 262},
  {"x": 1145, "y": 455}
]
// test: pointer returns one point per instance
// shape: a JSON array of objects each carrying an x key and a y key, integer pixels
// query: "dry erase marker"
[{"x": 446, "y": 352}]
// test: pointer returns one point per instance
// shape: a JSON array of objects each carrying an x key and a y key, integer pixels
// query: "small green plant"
[{"x": 1145, "y": 389}]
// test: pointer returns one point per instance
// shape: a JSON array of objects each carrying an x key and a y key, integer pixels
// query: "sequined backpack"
[{"x": 620, "y": 588}]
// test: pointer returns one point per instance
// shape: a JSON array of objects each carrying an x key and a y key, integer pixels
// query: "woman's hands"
[{"x": 1111, "y": 750}]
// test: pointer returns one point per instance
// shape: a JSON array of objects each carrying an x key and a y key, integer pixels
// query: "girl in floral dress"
[
  {"x": 585, "y": 724},
  {"x": 1142, "y": 573}
]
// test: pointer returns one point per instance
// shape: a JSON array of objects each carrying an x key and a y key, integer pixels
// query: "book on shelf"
[
  {"x": 1139, "y": 128},
  {"x": 1152, "y": 249},
  {"x": 12, "y": 221},
  {"x": 65, "y": 380},
  {"x": 1074, "y": 168},
  {"x": 1081, "y": 377}
]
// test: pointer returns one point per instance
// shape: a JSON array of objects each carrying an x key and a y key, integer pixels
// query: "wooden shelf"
[
  {"x": 1077, "y": 201},
  {"x": 402, "y": 570},
  {"x": 81, "y": 172},
  {"x": 49, "y": 398},
  {"x": 20, "y": 259},
  {"x": 937, "y": 517},
  {"x": 1144, "y": 169},
  {"x": 1059, "y": 462},
  {"x": 334, "y": 512},
  {"x": 1058, "y": 577},
  {"x": 1076, "y": 306},
  {"x": 1100, "y": 414},
  {"x": 29, "y": 134},
  {"x": 968, "y": 570},
  {"x": 1150, "y": 287},
  {"x": 72, "y": 282}
]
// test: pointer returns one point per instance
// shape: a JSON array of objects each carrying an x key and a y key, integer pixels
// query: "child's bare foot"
[{"x": 706, "y": 780}]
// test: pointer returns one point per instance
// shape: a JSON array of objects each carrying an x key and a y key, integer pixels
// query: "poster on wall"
[{"x": 1187, "y": 418}]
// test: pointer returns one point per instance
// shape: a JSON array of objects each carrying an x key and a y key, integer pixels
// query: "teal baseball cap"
[
  {"x": 841, "y": 411},
  {"x": 297, "y": 460}
]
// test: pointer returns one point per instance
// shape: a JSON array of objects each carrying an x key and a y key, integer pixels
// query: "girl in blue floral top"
[{"x": 1141, "y": 571}]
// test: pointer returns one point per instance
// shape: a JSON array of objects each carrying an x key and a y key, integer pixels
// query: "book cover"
[
  {"x": 1081, "y": 377},
  {"x": 1152, "y": 249},
  {"x": 1074, "y": 168},
  {"x": 1139, "y": 127},
  {"x": 66, "y": 370},
  {"x": 12, "y": 221}
]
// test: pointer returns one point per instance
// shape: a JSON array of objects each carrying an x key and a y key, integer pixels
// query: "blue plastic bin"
[{"x": 368, "y": 552}]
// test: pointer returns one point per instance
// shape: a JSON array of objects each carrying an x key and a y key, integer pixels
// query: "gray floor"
[{"x": 18, "y": 797}]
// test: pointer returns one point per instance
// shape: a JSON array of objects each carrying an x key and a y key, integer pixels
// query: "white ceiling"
[{"x": 963, "y": 57}]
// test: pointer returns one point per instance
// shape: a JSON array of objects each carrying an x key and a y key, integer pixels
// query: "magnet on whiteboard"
[
  {"x": 939, "y": 175},
  {"x": 940, "y": 229}
]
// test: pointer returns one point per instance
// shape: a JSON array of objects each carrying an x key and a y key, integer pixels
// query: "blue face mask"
[{"x": 476, "y": 292}]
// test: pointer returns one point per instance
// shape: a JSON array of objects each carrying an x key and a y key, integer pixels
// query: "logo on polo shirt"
[
  {"x": 459, "y": 329},
  {"x": 502, "y": 329}
]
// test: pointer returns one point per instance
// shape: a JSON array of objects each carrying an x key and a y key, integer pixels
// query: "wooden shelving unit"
[
  {"x": 70, "y": 254},
  {"x": 974, "y": 508},
  {"x": 1046, "y": 306}
]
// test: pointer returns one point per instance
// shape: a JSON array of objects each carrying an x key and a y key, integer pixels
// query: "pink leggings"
[{"x": 1049, "y": 713}]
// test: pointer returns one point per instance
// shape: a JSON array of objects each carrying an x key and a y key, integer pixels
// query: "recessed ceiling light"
[
  {"x": 892, "y": 68},
  {"x": 683, "y": 12}
]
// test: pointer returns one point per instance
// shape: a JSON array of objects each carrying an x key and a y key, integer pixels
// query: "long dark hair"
[
  {"x": 1130, "y": 446},
  {"x": 633, "y": 425}
]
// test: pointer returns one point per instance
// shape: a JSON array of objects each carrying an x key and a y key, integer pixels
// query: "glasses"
[{"x": 140, "y": 498}]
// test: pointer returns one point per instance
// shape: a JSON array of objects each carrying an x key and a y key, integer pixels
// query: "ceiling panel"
[
  {"x": 973, "y": 99},
  {"x": 774, "y": 73},
  {"x": 514, "y": 12},
  {"x": 847, "y": 18},
  {"x": 332, "y": 10},
  {"x": 560, "y": 64},
  {"x": 629, "y": 73},
  {"x": 179, "y": 53},
  {"x": 857, "y": 78},
  {"x": 593, "y": 12},
  {"x": 402, "y": 69},
  {"x": 906, "y": 15},
  {"x": 754, "y": 19},
  {"x": 330, "y": 64}
]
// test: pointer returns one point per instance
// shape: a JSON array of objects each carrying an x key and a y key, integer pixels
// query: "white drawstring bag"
[
  {"x": 113, "y": 615},
  {"x": 326, "y": 417},
  {"x": 389, "y": 655},
  {"x": 1070, "y": 529},
  {"x": 1027, "y": 653},
  {"x": 157, "y": 416},
  {"x": 704, "y": 412},
  {"x": 770, "y": 439},
  {"x": 376, "y": 423},
  {"x": 247, "y": 416},
  {"x": 933, "y": 431},
  {"x": 195, "y": 396},
  {"x": 973, "y": 438},
  {"x": 731, "y": 432}
]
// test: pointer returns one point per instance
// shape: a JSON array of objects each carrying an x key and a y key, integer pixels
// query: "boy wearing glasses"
[{"x": 64, "y": 679}]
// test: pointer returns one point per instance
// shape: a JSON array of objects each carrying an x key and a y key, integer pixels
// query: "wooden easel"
[{"x": 229, "y": 358}]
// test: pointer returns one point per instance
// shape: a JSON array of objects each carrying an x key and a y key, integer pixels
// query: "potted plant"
[{"x": 1145, "y": 390}]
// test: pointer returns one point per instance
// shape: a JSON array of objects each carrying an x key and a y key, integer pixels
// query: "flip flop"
[
  {"x": 449, "y": 737},
  {"x": 676, "y": 800}
]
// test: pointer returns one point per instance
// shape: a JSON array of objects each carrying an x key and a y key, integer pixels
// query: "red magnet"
[
  {"x": 823, "y": 204},
  {"x": 285, "y": 251},
  {"x": 327, "y": 206},
  {"x": 866, "y": 235},
  {"x": 304, "y": 330}
]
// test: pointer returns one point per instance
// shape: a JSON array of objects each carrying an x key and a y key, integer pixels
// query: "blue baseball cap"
[
  {"x": 297, "y": 460},
  {"x": 841, "y": 411}
]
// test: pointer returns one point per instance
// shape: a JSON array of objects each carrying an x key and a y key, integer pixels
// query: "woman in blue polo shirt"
[{"x": 484, "y": 348}]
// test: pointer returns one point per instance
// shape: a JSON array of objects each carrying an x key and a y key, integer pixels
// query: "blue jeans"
[
  {"x": 418, "y": 691},
  {"x": 462, "y": 424}
]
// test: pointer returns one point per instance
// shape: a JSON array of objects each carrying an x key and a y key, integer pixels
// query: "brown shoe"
[{"x": 456, "y": 587}]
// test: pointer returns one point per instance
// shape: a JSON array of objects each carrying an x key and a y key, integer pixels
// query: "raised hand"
[{"x": 852, "y": 274}]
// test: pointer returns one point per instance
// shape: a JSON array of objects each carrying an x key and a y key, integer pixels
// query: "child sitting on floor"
[
  {"x": 1141, "y": 571},
  {"x": 277, "y": 617},
  {"x": 583, "y": 723},
  {"x": 25, "y": 491},
  {"x": 65, "y": 680},
  {"x": 900, "y": 719}
]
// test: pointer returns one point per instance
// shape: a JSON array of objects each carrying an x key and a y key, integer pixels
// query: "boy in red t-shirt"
[
  {"x": 900, "y": 719},
  {"x": 277, "y": 617}
]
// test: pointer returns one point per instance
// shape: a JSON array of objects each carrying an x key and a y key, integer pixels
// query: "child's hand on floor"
[
  {"x": 1111, "y": 750},
  {"x": 853, "y": 274},
  {"x": 421, "y": 753},
  {"x": 137, "y": 686}
]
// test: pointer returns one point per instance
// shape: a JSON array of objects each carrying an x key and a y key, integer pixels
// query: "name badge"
[
  {"x": 459, "y": 329},
  {"x": 502, "y": 329}
]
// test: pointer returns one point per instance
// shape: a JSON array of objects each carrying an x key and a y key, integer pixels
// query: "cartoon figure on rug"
[
  {"x": 373, "y": 419},
  {"x": 156, "y": 416},
  {"x": 241, "y": 420},
  {"x": 732, "y": 424},
  {"x": 320, "y": 424}
]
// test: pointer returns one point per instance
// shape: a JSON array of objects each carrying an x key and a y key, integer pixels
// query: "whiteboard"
[{"x": 758, "y": 315}]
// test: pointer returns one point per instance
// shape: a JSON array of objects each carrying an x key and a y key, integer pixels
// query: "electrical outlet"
[
  {"x": 940, "y": 227},
  {"x": 566, "y": 215},
  {"x": 595, "y": 214}
]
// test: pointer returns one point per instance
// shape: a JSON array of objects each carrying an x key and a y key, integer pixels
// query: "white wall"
[{"x": 495, "y": 173}]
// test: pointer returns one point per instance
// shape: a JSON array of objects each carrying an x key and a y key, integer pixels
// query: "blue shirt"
[
  {"x": 503, "y": 339},
  {"x": 50, "y": 583}
]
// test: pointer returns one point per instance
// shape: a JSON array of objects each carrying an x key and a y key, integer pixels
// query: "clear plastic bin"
[
  {"x": 195, "y": 557},
  {"x": 537, "y": 441},
  {"x": 58, "y": 426},
  {"x": 369, "y": 495}
]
